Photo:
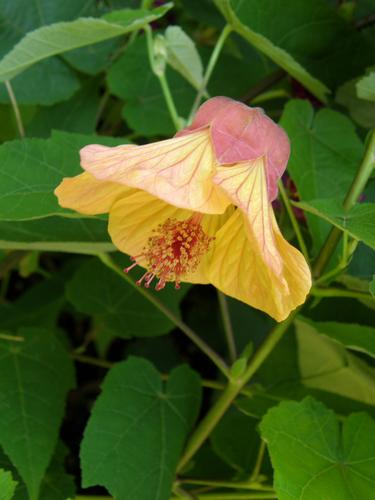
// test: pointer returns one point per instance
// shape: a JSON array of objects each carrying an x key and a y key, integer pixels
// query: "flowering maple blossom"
[{"x": 197, "y": 208}]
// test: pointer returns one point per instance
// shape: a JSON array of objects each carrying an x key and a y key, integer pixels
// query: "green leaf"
[
  {"x": 313, "y": 457},
  {"x": 305, "y": 38},
  {"x": 56, "y": 483},
  {"x": 32, "y": 168},
  {"x": 145, "y": 110},
  {"x": 325, "y": 154},
  {"x": 236, "y": 440},
  {"x": 183, "y": 56},
  {"x": 7, "y": 485},
  {"x": 61, "y": 37},
  {"x": 94, "y": 58},
  {"x": 118, "y": 305},
  {"x": 38, "y": 306},
  {"x": 48, "y": 82},
  {"x": 238, "y": 15},
  {"x": 362, "y": 112},
  {"x": 372, "y": 286},
  {"x": 137, "y": 430},
  {"x": 35, "y": 376},
  {"x": 356, "y": 337},
  {"x": 358, "y": 222},
  {"x": 325, "y": 364},
  {"x": 57, "y": 234},
  {"x": 366, "y": 87},
  {"x": 78, "y": 114}
]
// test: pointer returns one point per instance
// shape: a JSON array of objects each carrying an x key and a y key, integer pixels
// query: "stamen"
[{"x": 174, "y": 249}]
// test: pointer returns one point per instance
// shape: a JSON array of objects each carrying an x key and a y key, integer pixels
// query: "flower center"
[{"x": 174, "y": 250}]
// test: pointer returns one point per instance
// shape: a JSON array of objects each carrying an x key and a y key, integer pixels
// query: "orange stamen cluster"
[{"x": 174, "y": 250}]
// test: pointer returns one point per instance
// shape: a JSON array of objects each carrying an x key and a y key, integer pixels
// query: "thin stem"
[
  {"x": 177, "y": 122},
  {"x": 88, "y": 360},
  {"x": 239, "y": 485},
  {"x": 359, "y": 182},
  {"x": 210, "y": 353},
  {"x": 233, "y": 496},
  {"x": 209, "y": 422},
  {"x": 259, "y": 461},
  {"x": 15, "y": 107},
  {"x": 14, "y": 338},
  {"x": 228, "y": 329},
  {"x": 210, "y": 67},
  {"x": 338, "y": 292},
  {"x": 102, "y": 363},
  {"x": 160, "y": 73},
  {"x": 293, "y": 220}
]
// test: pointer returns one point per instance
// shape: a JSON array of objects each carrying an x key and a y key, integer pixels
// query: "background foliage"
[{"x": 107, "y": 388}]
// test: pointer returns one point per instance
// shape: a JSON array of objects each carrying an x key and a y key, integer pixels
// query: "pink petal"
[{"x": 241, "y": 133}]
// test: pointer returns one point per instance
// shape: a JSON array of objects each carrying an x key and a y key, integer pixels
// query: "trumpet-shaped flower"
[{"x": 197, "y": 207}]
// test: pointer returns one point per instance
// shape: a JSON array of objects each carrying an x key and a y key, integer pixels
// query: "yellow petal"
[
  {"x": 178, "y": 171},
  {"x": 276, "y": 286},
  {"x": 239, "y": 269},
  {"x": 88, "y": 195},
  {"x": 132, "y": 220}
]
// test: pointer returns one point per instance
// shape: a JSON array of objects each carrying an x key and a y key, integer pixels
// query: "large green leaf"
[
  {"x": 132, "y": 79},
  {"x": 239, "y": 16},
  {"x": 35, "y": 376},
  {"x": 7, "y": 485},
  {"x": 314, "y": 458},
  {"x": 326, "y": 365},
  {"x": 137, "y": 430},
  {"x": 310, "y": 40},
  {"x": 57, "y": 234},
  {"x": 77, "y": 114},
  {"x": 38, "y": 306},
  {"x": 48, "y": 82},
  {"x": 359, "y": 221},
  {"x": 117, "y": 305},
  {"x": 357, "y": 337},
  {"x": 56, "y": 483},
  {"x": 61, "y": 37},
  {"x": 324, "y": 158},
  {"x": 32, "y": 168}
]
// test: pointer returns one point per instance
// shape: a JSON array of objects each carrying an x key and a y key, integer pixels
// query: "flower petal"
[
  {"x": 178, "y": 171},
  {"x": 240, "y": 133},
  {"x": 238, "y": 268},
  {"x": 133, "y": 219},
  {"x": 246, "y": 185},
  {"x": 88, "y": 195}
]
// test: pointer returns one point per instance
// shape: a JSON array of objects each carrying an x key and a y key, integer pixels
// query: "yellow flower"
[{"x": 197, "y": 207}]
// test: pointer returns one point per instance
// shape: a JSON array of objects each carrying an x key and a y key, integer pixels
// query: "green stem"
[
  {"x": 170, "y": 102},
  {"x": 160, "y": 73},
  {"x": 16, "y": 109},
  {"x": 102, "y": 363},
  {"x": 14, "y": 338},
  {"x": 359, "y": 182},
  {"x": 233, "y": 496},
  {"x": 210, "y": 67},
  {"x": 293, "y": 220},
  {"x": 338, "y": 292},
  {"x": 228, "y": 329},
  {"x": 208, "y": 423},
  {"x": 210, "y": 353},
  {"x": 259, "y": 461},
  {"x": 88, "y": 360},
  {"x": 239, "y": 485}
]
